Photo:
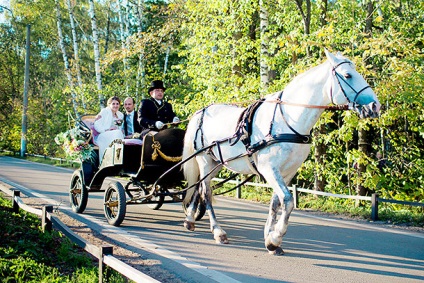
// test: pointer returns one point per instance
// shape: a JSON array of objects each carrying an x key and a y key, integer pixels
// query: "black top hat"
[{"x": 158, "y": 84}]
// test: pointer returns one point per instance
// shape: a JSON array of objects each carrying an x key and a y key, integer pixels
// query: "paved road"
[{"x": 317, "y": 249}]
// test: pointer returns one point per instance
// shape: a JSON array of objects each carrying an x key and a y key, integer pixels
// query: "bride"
[{"x": 109, "y": 125}]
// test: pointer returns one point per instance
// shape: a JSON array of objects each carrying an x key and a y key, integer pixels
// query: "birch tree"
[
  {"x": 65, "y": 58},
  {"x": 264, "y": 50},
  {"x": 123, "y": 26},
  {"x": 140, "y": 78},
  {"x": 96, "y": 54},
  {"x": 75, "y": 43}
]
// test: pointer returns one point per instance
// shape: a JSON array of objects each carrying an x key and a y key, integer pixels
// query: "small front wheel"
[
  {"x": 158, "y": 202},
  {"x": 115, "y": 205},
  {"x": 78, "y": 192}
]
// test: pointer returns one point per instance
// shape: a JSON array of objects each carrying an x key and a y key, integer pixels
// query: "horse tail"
[{"x": 190, "y": 167}]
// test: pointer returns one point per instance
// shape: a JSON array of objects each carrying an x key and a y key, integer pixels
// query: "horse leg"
[
  {"x": 274, "y": 207},
  {"x": 219, "y": 234},
  {"x": 274, "y": 235},
  {"x": 191, "y": 211}
]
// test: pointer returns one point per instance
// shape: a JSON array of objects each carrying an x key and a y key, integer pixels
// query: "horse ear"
[{"x": 330, "y": 57}]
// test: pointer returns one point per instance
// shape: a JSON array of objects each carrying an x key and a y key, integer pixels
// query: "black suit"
[
  {"x": 150, "y": 112},
  {"x": 136, "y": 125}
]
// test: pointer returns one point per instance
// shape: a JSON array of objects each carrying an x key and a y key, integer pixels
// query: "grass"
[
  {"x": 389, "y": 213},
  {"x": 29, "y": 255}
]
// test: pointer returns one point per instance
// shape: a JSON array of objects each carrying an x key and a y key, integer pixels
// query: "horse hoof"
[
  {"x": 189, "y": 225},
  {"x": 222, "y": 239},
  {"x": 272, "y": 244},
  {"x": 278, "y": 251}
]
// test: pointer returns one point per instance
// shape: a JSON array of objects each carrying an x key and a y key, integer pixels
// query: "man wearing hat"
[{"x": 154, "y": 112}]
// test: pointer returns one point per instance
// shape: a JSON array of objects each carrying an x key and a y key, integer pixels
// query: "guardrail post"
[
  {"x": 295, "y": 196},
  {"x": 238, "y": 191},
  {"x": 15, "y": 204},
  {"x": 374, "y": 207},
  {"x": 104, "y": 250},
  {"x": 46, "y": 223}
]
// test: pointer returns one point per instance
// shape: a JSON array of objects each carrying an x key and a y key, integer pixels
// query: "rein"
[{"x": 325, "y": 107}]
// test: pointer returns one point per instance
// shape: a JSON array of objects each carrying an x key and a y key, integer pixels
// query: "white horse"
[{"x": 275, "y": 139}]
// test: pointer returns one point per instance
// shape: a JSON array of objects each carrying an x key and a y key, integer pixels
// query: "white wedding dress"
[{"x": 106, "y": 136}]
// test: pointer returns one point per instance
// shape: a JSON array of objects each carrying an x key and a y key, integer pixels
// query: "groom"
[{"x": 131, "y": 125}]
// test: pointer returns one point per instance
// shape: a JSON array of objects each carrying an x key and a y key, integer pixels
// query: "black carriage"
[{"x": 147, "y": 170}]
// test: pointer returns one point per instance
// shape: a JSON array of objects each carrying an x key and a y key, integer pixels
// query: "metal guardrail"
[{"x": 103, "y": 253}]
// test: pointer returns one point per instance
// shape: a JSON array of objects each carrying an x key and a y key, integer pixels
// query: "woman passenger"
[{"x": 109, "y": 125}]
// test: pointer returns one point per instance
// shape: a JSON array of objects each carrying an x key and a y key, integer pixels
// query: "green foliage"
[
  {"x": 29, "y": 255},
  {"x": 211, "y": 50},
  {"x": 395, "y": 214}
]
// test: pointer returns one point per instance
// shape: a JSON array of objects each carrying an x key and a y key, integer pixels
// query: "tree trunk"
[
  {"x": 320, "y": 150},
  {"x": 165, "y": 65},
  {"x": 140, "y": 69},
  {"x": 76, "y": 55},
  {"x": 264, "y": 55},
  {"x": 96, "y": 55},
  {"x": 369, "y": 19},
  {"x": 363, "y": 148},
  {"x": 362, "y": 133},
  {"x": 320, "y": 147},
  {"x": 306, "y": 17},
  {"x": 323, "y": 14},
  {"x": 236, "y": 36},
  {"x": 107, "y": 32},
  {"x": 65, "y": 58},
  {"x": 123, "y": 43}
]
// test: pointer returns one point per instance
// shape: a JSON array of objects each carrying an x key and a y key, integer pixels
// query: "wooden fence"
[
  {"x": 374, "y": 199},
  {"x": 103, "y": 253}
]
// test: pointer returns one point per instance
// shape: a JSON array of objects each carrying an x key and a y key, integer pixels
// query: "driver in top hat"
[{"x": 154, "y": 112}]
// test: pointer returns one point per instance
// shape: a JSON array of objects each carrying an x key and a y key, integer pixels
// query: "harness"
[{"x": 243, "y": 131}]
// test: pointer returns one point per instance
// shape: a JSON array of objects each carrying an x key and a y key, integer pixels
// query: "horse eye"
[{"x": 347, "y": 76}]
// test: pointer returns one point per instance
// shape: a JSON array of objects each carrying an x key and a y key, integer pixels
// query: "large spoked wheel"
[
  {"x": 115, "y": 205},
  {"x": 200, "y": 212},
  {"x": 78, "y": 192}
]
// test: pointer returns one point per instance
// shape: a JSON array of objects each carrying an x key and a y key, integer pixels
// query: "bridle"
[
  {"x": 300, "y": 138},
  {"x": 351, "y": 103},
  {"x": 340, "y": 77}
]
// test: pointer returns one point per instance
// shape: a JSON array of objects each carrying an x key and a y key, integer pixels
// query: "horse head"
[{"x": 349, "y": 87}]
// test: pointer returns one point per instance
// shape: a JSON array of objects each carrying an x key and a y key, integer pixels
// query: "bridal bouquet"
[
  {"x": 119, "y": 122},
  {"x": 75, "y": 144}
]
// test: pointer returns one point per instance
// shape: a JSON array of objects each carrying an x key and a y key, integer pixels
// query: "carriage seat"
[
  {"x": 88, "y": 120},
  {"x": 132, "y": 141}
]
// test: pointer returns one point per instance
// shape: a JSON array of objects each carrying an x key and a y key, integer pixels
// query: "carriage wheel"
[
  {"x": 115, "y": 205},
  {"x": 158, "y": 204},
  {"x": 200, "y": 212},
  {"x": 78, "y": 192}
]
